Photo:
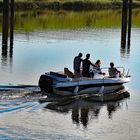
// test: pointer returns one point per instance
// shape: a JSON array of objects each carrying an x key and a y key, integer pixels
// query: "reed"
[{"x": 30, "y": 21}]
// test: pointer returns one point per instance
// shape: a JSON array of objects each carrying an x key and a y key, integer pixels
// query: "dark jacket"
[
  {"x": 77, "y": 64},
  {"x": 86, "y": 68}
]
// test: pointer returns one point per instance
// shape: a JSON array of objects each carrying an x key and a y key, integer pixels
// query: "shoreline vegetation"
[{"x": 75, "y": 5}]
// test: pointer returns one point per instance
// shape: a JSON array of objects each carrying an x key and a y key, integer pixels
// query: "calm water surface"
[{"x": 33, "y": 53}]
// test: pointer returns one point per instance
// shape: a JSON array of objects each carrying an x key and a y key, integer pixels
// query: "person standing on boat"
[
  {"x": 77, "y": 64},
  {"x": 86, "y": 66},
  {"x": 113, "y": 72}
]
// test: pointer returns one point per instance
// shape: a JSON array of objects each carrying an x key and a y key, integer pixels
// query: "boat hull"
[
  {"x": 90, "y": 90},
  {"x": 64, "y": 86}
]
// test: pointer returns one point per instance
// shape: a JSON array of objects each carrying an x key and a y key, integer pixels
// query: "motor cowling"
[{"x": 46, "y": 83}]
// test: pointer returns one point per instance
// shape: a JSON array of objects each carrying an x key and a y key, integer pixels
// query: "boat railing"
[
  {"x": 105, "y": 71},
  {"x": 95, "y": 75},
  {"x": 121, "y": 69}
]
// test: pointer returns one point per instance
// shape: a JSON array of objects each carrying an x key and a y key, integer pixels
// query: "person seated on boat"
[
  {"x": 77, "y": 64},
  {"x": 97, "y": 69},
  {"x": 68, "y": 73},
  {"x": 113, "y": 72},
  {"x": 86, "y": 66}
]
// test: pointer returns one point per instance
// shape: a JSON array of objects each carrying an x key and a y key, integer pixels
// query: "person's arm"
[
  {"x": 100, "y": 71},
  {"x": 91, "y": 63},
  {"x": 118, "y": 71}
]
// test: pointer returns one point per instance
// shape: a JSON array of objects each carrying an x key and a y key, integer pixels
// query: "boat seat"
[
  {"x": 59, "y": 77},
  {"x": 58, "y": 74}
]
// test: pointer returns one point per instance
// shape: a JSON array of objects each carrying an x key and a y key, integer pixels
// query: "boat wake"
[
  {"x": 15, "y": 98},
  {"x": 16, "y": 108},
  {"x": 30, "y": 98}
]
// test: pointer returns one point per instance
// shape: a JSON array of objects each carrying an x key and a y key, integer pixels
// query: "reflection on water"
[
  {"x": 23, "y": 117},
  {"x": 125, "y": 51},
  {"x": 113, "y": 107},
  {"x": 6, "y": 57},
  {"x": 83, "y": 111},
  {"x": 125, "y": 46}
]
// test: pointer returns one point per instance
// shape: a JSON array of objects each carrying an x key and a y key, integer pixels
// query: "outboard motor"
[{"x": 46, "y": 83}]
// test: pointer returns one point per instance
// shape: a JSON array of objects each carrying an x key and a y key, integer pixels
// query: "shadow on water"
[{"x": 84, "y": 110}]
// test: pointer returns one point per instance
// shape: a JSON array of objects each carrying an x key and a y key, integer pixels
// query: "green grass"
[{"x": 31, "y": 21}]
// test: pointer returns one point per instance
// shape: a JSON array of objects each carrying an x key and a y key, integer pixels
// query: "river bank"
[{"x": 69, "y": 5}]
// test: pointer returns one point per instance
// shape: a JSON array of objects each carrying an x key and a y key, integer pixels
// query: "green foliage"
[{"x": 30, "y": 21}]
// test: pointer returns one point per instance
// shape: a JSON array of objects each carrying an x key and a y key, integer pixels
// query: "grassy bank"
[
  {"x": 30, "y": 21},
  {"x": 69, "y": 4}
]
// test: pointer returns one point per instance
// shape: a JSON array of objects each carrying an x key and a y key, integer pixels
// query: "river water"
[{"x": 36, "y": 52}]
